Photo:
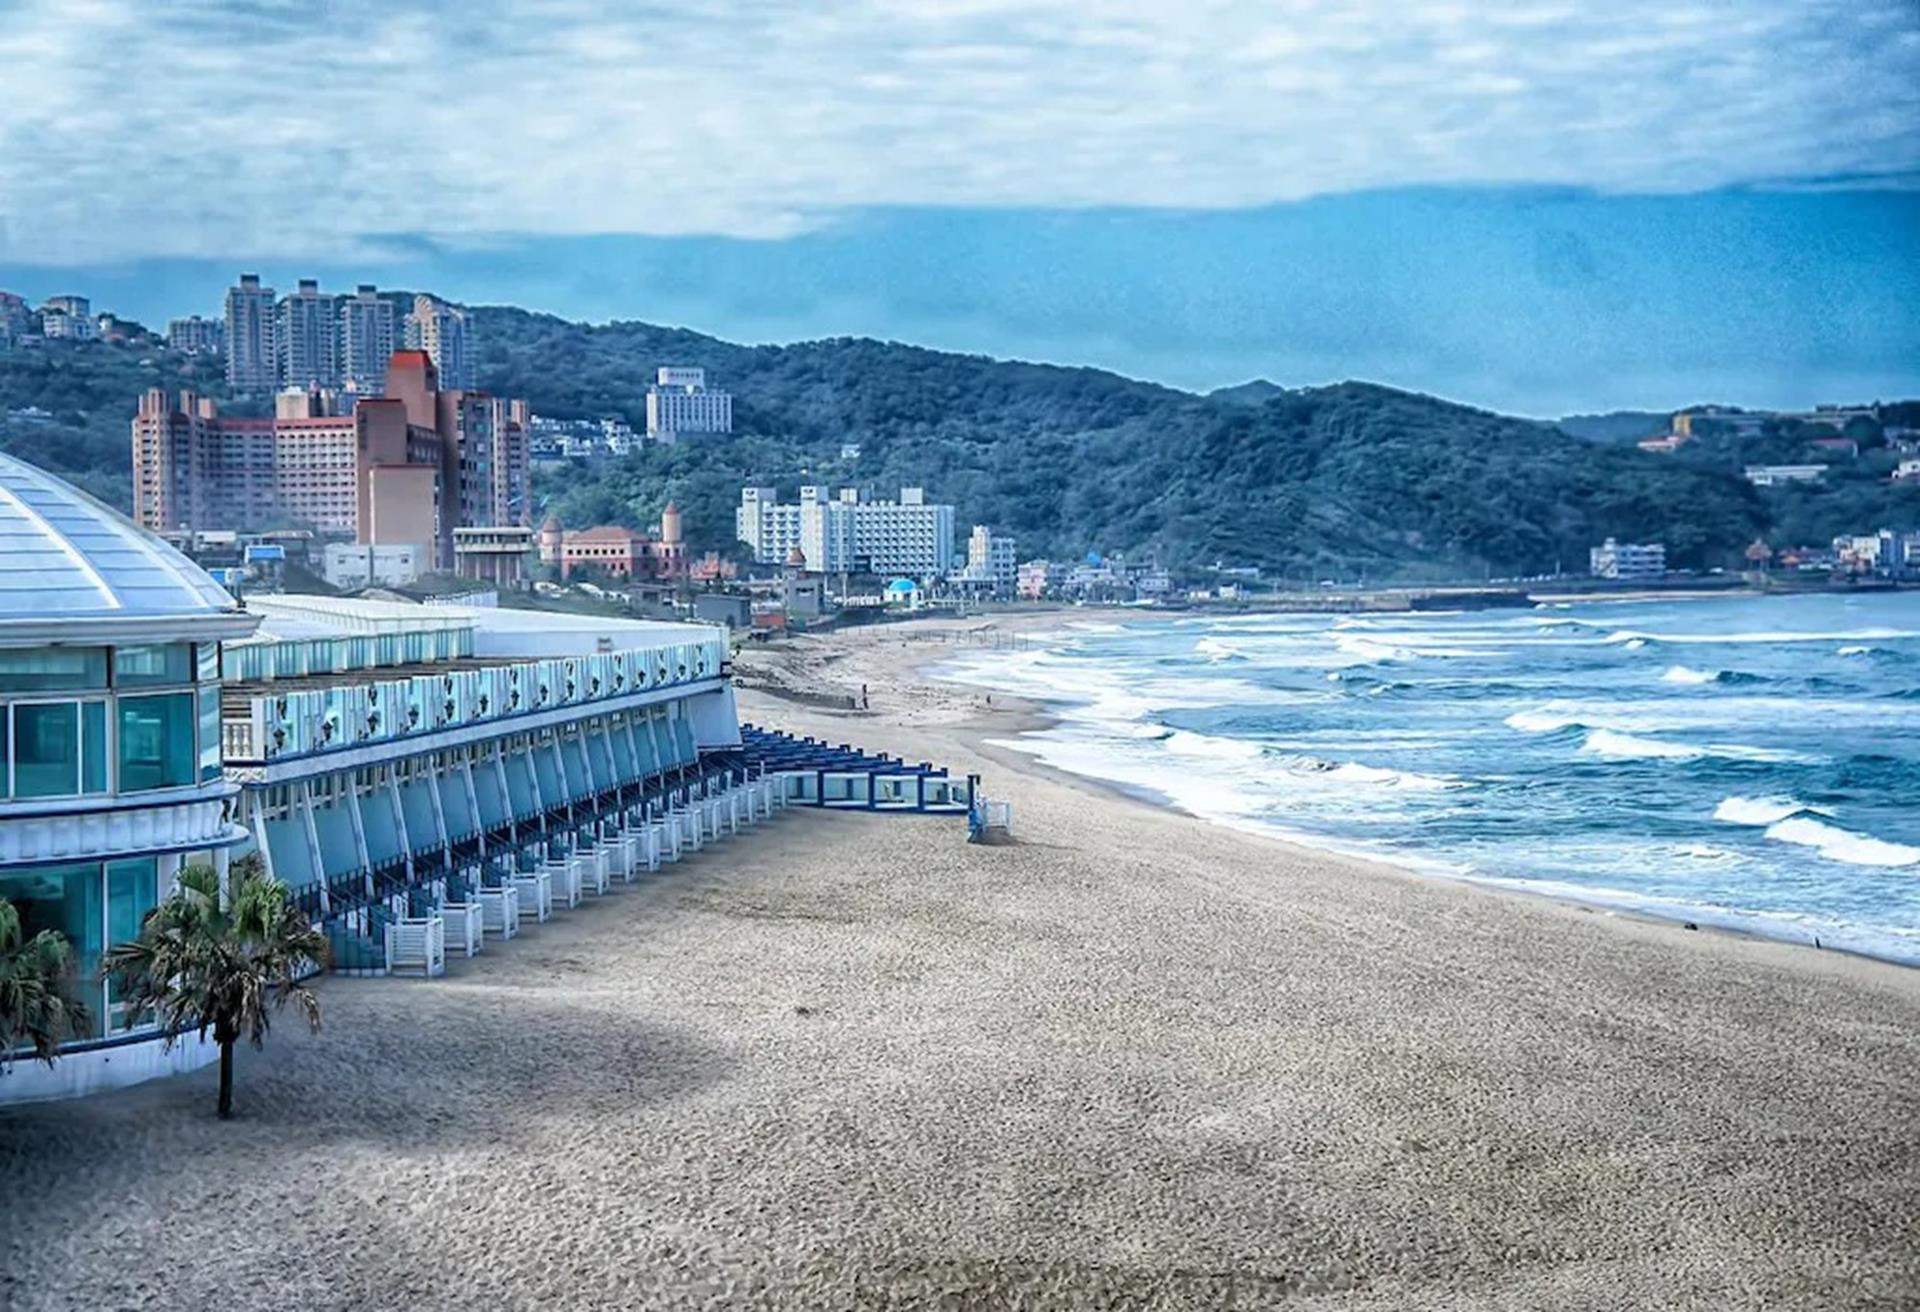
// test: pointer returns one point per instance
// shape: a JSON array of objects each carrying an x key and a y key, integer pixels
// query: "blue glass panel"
[
  {"x": 156, "y": 741},
  {"x": 46, "y": 750}
]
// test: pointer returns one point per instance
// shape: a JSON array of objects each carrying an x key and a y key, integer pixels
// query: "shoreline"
[
  {"x": 931, "y": 642},
  {"x": 1042, "y": 718}
]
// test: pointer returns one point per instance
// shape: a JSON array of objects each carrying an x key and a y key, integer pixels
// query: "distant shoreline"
[{"x": 934, "y": 642}]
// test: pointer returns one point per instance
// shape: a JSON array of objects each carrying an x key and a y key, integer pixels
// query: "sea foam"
[
  {"x": 1759, "y": 810},
  {"x": 1840, "y": 845},
  {"x": 1616, "y": 746}
]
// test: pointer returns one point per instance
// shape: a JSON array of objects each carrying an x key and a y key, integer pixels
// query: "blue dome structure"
[{"x": 83, "y": 571}]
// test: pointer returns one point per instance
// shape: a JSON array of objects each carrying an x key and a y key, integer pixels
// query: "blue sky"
[{"x": 1538, "y": 206}]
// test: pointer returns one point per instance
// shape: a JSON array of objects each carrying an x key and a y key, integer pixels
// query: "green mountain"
[
  {"x": 1256, "y": 391},
  {"x": 1336, "y": 479},
  {"x": 1615, "y": 425}
]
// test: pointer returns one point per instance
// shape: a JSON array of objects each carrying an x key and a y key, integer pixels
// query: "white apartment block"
[
  {"x": 990, "y": 561},
  {"x": 1628, "y": 560},
  {"x": 908, "y": 537},
  {"x": 67, "y": 316},
  {"x": 1778, "y": 475},
  {"x": 680, "y": 402}
]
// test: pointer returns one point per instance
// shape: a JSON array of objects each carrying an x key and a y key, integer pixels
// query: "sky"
[{"x": 1540, "y": 206}]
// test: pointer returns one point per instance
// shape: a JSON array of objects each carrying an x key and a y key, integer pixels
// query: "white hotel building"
[
  {"x": 908, "y": 537},
  {"x": 680, "y": 402}
]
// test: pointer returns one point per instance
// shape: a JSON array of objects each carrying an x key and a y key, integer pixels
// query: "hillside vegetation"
[
  {"x": 1352, "y": 478},
  {"x": 1346, "y": 478}
]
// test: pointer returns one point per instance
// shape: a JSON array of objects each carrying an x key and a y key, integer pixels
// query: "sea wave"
[
  {"x": 1546, "y": 719},
  {"x": 1625, "y": 747},
  {"x": 1760, "y": 810},
  {"x": 1707, "y": 852},
  {"x": 1838, "y": 844},
  {"x": 1187, "y": 743},
  {"x": 1768, "y": 636},
  {"x": 1615, "y": 746},
  {"x": 1375, "y": 775},
  {"x": 1681, "y": 674},
  {"x": 1215, "y": 650}
]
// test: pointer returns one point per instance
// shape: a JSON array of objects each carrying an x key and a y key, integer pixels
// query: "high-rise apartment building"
[
  {"x": 253, "y": 356},
  {"x": 196, "y": 336},
  {"x": 406, "y": 467},
  {"x": 681, "y": 402},
  {"x": 366, "y": 340},
  {"x": 306, "y": 333},
  {"x": 443, "y": 332},
  {"x": 990, "y": 560},
  {"x": 909, "y": 537}
]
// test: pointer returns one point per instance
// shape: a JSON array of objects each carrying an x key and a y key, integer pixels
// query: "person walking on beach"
[{"x": 863, "y": 696}]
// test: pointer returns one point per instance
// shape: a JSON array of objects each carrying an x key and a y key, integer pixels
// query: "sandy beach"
[{"x": 1132, "y": 1060}]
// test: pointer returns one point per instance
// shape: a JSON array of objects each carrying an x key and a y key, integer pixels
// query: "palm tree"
[
  {"x": 36, "y": 1009},
  {"x": 198, "y": 965}
]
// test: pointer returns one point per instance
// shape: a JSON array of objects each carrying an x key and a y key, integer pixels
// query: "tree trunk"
[{"x": 226, "y": 1079}]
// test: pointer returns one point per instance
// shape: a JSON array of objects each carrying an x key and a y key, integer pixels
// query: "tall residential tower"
[{"x": 253, "y": 357}]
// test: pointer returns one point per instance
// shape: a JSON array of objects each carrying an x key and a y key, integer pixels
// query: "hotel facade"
[
  {"x": 681, "y": 402},
  {"x": 909, "y": 537},
  {"x": 407, "y": 467}
]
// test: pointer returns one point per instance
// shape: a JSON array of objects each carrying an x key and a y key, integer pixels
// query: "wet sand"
[{"x": 1133, "y": 1060}]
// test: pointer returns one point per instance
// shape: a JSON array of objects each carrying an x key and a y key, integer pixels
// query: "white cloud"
[{"x": 290, "y": 129}]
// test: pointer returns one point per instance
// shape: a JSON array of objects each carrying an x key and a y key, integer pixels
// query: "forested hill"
[
  {"x": 1336, "y": 478},
  {"x": 1312, "y": 481}
]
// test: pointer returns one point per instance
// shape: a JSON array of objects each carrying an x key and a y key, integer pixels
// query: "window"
[
  {"x": 52, "y": 669},
  {"x": 93, "y": 747},
  {"x": 66, "y": 899},
  {"x": 133, "y": 889},
  {"x": 46, "y": 749},
  {"x": 209, "y": 733},
  {"x": 156, "y": 741},
  {"x": 152, "y": 666}
]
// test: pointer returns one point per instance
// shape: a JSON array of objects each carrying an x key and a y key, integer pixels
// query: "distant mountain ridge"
[
  {"x": 1616, "y": 425},
  {"x": 1257, "y": 391},
  {"x": 1345, "y": 479}
]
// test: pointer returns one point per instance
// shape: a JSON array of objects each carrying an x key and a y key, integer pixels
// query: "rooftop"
[{"x": 70, "y": 562}]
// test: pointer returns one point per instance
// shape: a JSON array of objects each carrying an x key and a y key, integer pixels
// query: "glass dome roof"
[{"x": 66, "y": 558}]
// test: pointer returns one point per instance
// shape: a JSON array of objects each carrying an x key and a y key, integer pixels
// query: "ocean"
[{"x": 1746, "y": 762}]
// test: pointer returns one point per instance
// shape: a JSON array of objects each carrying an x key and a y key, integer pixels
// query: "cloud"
[{"x": 299, "y": 130}]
